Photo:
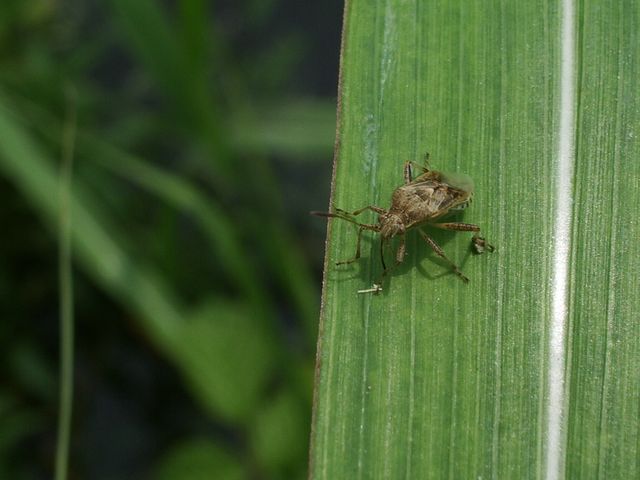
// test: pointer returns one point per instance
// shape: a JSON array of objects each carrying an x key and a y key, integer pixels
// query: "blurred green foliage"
[{"x": 196, "y": 280}]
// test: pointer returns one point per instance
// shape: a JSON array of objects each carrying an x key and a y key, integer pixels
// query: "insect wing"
[
  {"x": 427, "y": 200},
  {"x": 459, "y": 181}
]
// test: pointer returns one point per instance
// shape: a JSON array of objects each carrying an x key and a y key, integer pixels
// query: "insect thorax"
[{"x": 391, "y": 224}]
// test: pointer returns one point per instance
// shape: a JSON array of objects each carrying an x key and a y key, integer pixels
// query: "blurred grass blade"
[
  {"x": 288, "y": 264},
  {"x": 227, "y": 358},
  {"x": 437, "y": 379},
  {"x": 195, "y": 342},
  {"x": 222, "y": 232},
  {"x": 155, "y": 41},
  {"x": 179, "y": 67},
  {"x": 178, "y": 193},
  {"x": 195, "y": 24},
  {"x": 23, "y": 162},
  {"x": 66, "y": 294},
  {"x": 188, "y": 86},
  {"x": 199, "y": 459},
  {"x": 219, "y": 228},
  {"x": 300, "y": 130}
]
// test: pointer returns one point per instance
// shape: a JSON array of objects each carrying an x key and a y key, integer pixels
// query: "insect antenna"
[{"x": 345, "y": 216}]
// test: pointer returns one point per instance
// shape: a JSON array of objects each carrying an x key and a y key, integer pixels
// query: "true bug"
[{"x": 419, "y": 202}]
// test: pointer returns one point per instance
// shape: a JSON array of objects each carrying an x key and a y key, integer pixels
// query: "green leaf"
[
  {"x": 433, "y": 378},
  {"x": 603, "y": 429}
]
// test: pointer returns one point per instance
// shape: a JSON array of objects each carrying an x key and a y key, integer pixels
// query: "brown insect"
[{"x": 419, "y": 202}]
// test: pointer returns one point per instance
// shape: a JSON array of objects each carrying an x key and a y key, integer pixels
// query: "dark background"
[{"x": 234, "y": 101}]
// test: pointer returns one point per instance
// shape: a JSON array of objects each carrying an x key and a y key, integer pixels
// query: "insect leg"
[
  {"x": 399, "y": 259},
  {"x": 408, "y": 177},
  {"x": 458, "y": 226},
  {"x": 377, "y": 287},
  {"x": 479, "y": 243},
  {"x": 436, "y": 248},
  {"x": 384, "y": 265},
  {"x": 401, "y": 251},
  {"x": 357, "y": 255},
  {"x": 408, "y": 174}
]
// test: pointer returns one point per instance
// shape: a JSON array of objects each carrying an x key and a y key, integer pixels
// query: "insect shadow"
[
  {"x": 418, "y": 255},
  {"x": 422, "y": 252},
  {"x": 420, "y": 202}
]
